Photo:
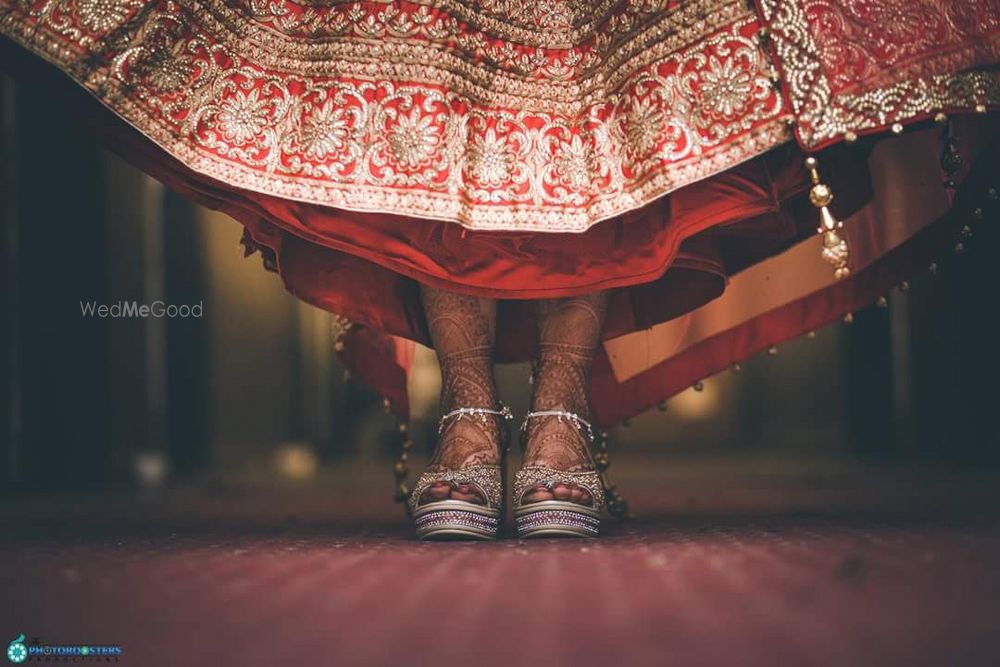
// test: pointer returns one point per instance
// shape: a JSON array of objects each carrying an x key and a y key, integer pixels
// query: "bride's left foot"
[
  {"x": 556, "y": 443},
  {"x": 558, "y": 491}
]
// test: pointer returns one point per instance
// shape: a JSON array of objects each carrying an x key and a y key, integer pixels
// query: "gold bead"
[
  {"x": 407, "y": 445},
  {"x": 882, "y": 302},
  {"x": 966, "y": 232},
  {"x": 941, "y": 118},
  {"x": 699, "y": 386},
  {"x": 820, "y": 195},
  {"x": 897, "y": 128},
  {"x": 904, "y": 286},
  {"x": 403, "y": 428},
  {"x": 841, "y": 273},
  {"x": 811, "y": 335},
  {"x": 338, "y": 346},
  {"x": 811, "y": 163},
  {"x": 602, "y": 460},
  {"x": 400, "y": 468},
  {"x": 736, "y": 368},
  {"x": 404, "y": 456},
  {"x": 980, "y": 108},
  {"x": 849, "y": 318},
  {"x": 773, "y": 350},
  {"x": 959, "y": 248},
  {"x": 977, "y": 214},
  {"x": 604, "y": 435},
  {"x": 850, "y": 136}
]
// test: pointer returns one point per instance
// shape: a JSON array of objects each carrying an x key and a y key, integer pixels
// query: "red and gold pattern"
[
  {"x": 855, "y": 66},
  {"x": 505, "y": 114},
  {"x": 518, "y": 115}
]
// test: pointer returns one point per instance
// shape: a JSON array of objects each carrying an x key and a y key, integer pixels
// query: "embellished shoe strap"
[
  {"x": 562, "y": 415},
  {"x": 531, "y": 476},
  {"x": 463, "y": 413},
  {"x": 487, "y": 478}
]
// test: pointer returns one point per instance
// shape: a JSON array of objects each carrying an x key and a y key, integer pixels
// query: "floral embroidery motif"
[
  {"x": 414, "y": 138},
  {"x": 644, "y": 122},
  {"x": 102, "y": 16},
  {"x": 243, "y": 117},
  {"x": 491, "y": 159},
  {"x": 572, "y": 163},
  {"x": 324, "y": 132},
  {"x": 725, "y": 88}
]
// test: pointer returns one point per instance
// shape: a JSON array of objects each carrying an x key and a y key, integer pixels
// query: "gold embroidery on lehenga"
[
  {"x": 821, "y": 78},
  {"x": 243, "y": 92}
]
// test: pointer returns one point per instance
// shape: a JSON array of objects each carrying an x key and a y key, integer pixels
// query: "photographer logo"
[{"x": 17, "y": 652}]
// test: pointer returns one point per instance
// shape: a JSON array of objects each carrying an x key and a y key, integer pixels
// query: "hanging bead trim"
[
  {"x": 835, "y": 250},
  {"x": 613, "y": 499},
  {"x": 401, "y": 469}
]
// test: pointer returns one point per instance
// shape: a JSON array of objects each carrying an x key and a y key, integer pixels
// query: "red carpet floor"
[{"x": 218, "y": 579}]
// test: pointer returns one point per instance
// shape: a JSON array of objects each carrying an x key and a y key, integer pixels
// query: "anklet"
[
  {"x": 561, "y": 415},
  {"x": 461, "y": 413}
]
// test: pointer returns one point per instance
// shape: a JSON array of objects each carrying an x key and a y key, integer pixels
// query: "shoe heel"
[
  {"x": 456, "y": 520},
  {"x": 555, "y": 518}
]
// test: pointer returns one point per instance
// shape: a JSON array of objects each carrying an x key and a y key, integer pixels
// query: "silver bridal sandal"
[
  {"x": 558, "y": 518},
  {"x": 458, "y": 519}
]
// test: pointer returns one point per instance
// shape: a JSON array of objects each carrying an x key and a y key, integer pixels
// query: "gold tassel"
[{"x": 835, "y": 250}]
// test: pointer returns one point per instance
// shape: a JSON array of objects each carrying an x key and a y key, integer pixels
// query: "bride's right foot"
[
  {"x": 469, "y": 438},
  {"x": 460, "y": 496}
]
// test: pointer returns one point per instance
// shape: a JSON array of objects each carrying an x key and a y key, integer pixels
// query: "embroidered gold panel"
[
  {"x": 542, "y": 115},
  {"x": 855, "y": 66}
]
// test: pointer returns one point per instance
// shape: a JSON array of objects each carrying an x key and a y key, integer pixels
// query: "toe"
[
  {"x": 467, "y": 493},
  {"x": 436, "y": 491},
  {"x": 537, "y": 494},
  {"x": 576, "y": 495},
  {"x": 563, "y": 492}
]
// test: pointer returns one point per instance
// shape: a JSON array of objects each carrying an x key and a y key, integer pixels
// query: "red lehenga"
[{"x": 522, "y": 149}]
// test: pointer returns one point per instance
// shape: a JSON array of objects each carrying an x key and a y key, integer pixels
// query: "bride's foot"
[
  {"x": 460, "y": 495},
  {"x": 558, "y": 492},
  {"x": 469, "y": 440},
  {"x": 558, "y": 443}
]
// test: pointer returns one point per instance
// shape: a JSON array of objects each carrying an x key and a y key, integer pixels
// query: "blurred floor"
[{"x": 738, "y": 563}]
